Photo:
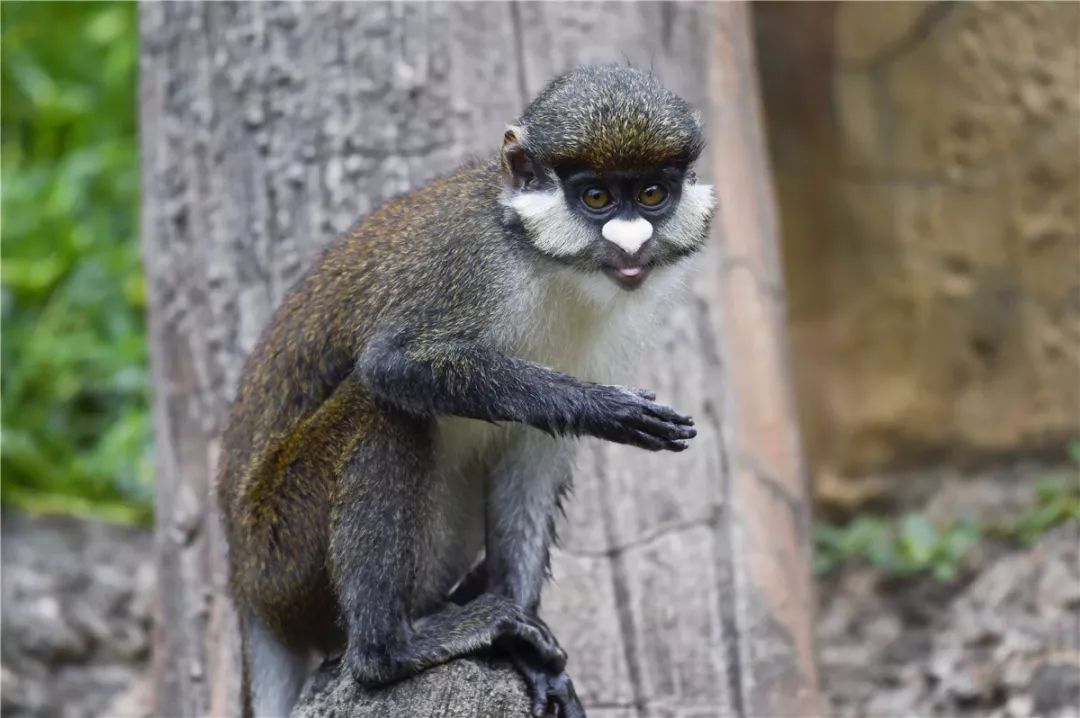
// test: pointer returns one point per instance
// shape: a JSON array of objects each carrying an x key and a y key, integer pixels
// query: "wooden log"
[{"x": 466, "y": 688}]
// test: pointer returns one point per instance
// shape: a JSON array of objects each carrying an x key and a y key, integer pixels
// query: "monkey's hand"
[{"x": 631, "y": 416}]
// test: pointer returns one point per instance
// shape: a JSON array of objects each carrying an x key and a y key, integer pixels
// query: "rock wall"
[{"x": 927, "y": 169}]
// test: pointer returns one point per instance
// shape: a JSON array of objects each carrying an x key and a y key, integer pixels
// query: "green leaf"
[
  {"x": 944, "y": 571},
  {"x": 961, "y": 538},
  {"x": 1074, "y": 451},
  {"x": 918, "y": 539},
  {"x": 1046, "y": 489}
]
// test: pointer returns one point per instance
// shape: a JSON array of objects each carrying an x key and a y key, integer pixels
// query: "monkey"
[{"x": 405, "y": 424}]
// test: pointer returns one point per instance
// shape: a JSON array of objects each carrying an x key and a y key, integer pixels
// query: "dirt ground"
[
  {"x": 1003, "y": 640},
  {"x": 1005, "y": 644}
]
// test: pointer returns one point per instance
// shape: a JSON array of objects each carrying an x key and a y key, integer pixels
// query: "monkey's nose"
[{"x": 628, "y": 234}]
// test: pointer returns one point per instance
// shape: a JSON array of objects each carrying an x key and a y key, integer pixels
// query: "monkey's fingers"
[
  {"x": 668, "y": 414},
  {"x": 664, "y": 429},
  {"x": 539, "y": 640},
  {"x": 644, "y": 440},
  {"x": 659, "y": 410}
]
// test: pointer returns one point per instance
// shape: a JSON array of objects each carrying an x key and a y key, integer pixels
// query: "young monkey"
[{"x": 410, "y": 408}]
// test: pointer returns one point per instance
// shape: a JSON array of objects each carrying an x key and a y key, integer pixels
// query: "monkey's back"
[{"x": 300, "y": 407}]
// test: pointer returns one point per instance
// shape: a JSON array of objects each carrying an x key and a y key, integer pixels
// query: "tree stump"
[{"x": 466, "y": 688}]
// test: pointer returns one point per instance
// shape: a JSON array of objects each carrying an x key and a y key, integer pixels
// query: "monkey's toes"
[
  {"x": 538, "y": 640},
  {"x": 551, "y": 694}
]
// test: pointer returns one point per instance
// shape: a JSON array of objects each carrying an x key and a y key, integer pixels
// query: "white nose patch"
[{"x": 629, "y": 234}]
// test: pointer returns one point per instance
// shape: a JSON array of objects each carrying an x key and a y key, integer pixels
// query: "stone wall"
[{"x": 927, "y": 169}]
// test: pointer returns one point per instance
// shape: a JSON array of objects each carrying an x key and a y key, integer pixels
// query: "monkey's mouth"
[{"x": 630, "y": 276}]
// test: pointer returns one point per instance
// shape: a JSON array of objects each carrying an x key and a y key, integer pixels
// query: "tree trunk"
[{"x": 681, "y": 584}]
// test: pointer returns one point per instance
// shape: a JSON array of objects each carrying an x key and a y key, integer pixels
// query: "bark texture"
[
  {"x": 681, "y": 585},
  {"x": 467, "y": 688}
]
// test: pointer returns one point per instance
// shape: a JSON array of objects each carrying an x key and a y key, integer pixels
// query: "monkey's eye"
[
  {"x": 596, "y": 198},
  {"x": 651, "y": 195}
]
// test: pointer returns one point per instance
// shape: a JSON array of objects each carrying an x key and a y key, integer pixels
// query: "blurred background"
[
  {"x": 926, "y": 159},
  {"x": 75, "y": 428}
]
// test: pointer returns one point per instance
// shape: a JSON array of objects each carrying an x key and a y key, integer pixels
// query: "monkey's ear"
[{"x": 518, "y": 168}]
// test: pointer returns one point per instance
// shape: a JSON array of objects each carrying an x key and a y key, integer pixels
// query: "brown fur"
[{"x": 299, "y": 411}]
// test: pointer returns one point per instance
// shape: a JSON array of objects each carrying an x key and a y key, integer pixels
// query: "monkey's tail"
[{"x": 272, "y": 672}]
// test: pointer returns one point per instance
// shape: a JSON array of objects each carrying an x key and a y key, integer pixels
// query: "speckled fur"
[
  {"x": 384, "y": 430},
  {"x": 611, "y": 117}
]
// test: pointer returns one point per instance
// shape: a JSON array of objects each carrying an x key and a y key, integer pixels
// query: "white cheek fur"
[
  {"x": 553, "y": 228},
  {"x": 686, "y": 228},
  {"x": 558, "y": 231}
]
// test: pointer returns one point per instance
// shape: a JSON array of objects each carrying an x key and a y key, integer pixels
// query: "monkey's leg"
[
  {"x": 526, "y": 489},
  {"x": 278, "y": 550},
  {"x": 474, "y": 583},
  {"x": 381, "y": 559},
  {"x": 525, "y": 492},
  {"x": 448, "y": 633},
  {"x": 485, "y": 622}
]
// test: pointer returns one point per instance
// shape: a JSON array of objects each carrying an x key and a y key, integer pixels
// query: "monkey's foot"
[
  {"x": 551, "y": 693},
  {"x": 454, "y": 631},
  {"x": 540, "y": 645}
]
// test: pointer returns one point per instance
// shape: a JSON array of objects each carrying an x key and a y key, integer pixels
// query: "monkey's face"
[
  {"x": 623, "y": 223},
  {"x": 598, "y": 173},
  {"x": 630, "y": 215}
]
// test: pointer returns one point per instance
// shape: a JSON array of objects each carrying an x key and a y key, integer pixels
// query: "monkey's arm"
[{"x": 463, "y": 378}]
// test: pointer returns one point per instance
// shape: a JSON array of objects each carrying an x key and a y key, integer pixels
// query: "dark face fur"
[{"x": 598, "y": 171}]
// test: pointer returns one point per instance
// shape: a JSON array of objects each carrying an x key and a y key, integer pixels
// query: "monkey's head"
[{"x": 599, "y": 171}]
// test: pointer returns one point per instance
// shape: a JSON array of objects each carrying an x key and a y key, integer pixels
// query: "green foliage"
[
  {"x": 1056, "y": 502},
  {"x": 74, "y": 415},
  {"x": 909, "y": 546},
  {"x": 913, "y": 545}
]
